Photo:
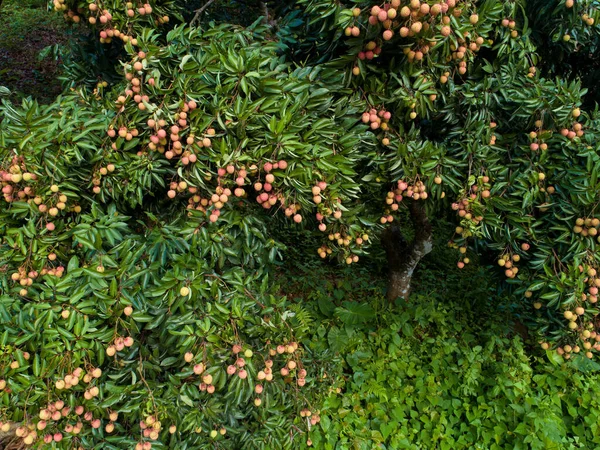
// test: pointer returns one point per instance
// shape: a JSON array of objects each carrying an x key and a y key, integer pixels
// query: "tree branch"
[
  {"x": 200, "y": 11},
  {"x": 265, "y": 9}
]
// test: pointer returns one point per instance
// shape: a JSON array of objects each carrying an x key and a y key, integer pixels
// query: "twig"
[
  {"x": 265, "y": 9},
  {"x": 201, "y": 10}
]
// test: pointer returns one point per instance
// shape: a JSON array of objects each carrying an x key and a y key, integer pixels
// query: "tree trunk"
[{"x": 403, "y": 257}]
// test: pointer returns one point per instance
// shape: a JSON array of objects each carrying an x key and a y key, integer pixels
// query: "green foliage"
[
  {"x": 441, "y": 371},
  {"x": 26, "y": 29},
  {"x": 166, "y": 193},
  {"x": 550, "y": 22},
  {"x": 72, "y": 322},
  {"x": 472, "y": 118},
  {"x": 17, "y": 22},
  {"x": 102, "y": 255},
  {"x": 432, "y": 374}
]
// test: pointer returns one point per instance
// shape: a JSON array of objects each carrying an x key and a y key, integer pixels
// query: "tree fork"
[{"x": 403, "y": 257}]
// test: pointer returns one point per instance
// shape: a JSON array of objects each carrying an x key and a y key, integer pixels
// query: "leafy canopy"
[{"x": 136, "y": 220}]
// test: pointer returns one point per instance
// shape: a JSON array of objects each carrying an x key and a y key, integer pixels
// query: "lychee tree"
[
  {"x": 465, "y": 121},
  {"x": 136, "y": 303},
  {"x": 136, "y": 219},
  {"x": 117, "y": 19}
]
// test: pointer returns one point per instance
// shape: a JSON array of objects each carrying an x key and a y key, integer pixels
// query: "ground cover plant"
[{"x": 27, "y": 29}]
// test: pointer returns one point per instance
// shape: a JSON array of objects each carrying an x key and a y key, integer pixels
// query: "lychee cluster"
[
  {"x": 291, "y": 369},
  {"x": 377, "y": 119},
  {"x": 181, "y": 187},
  {"x": 508, "y": 262},
  {"x": 493, "y": 136},
  {"x": 292, "y": 366},
  {"x": 587, "y": 19},
  {"x": 369, "y": 52},
  {"x": 73, "y": 378},
  {"x": 587, "y": 226},
  {"x": 151, "y": 428},
  {"x": 469, "y": 207},
  {"x": 199, "y": 369},
  {"x": 323, "y": 251},
  {"x": 332, "y": 210},
  {"x": 105, "y": 20},
  {"x": 577, "y": 128},
  {"x": 266, "y": 195},
  {"x": 313, "y": 416},
  {"x": 464, "y": 259},
  {"x": 536, "y": 138},
  {"x": 353, "y": 30},
  {"x": 344, "y": 241},
  {"x": 588, "y": 338},
  {"x": 418, "y": 51},
  {"x": 168, "y": 137},
  {"x": 14, "y": 181},
  {"x": 317, "y": 192},
  {"x": 17, "y": 185},
  {"x": 588, "y": 334},
  {"x": 592, "y": 285},
  {"x": 169, "y": 140},
  {"x": 416, "y": 190},
  {"x": 510, "y": 24},
  {"x": 119, "y": 344},
  {"x": 575, "y": 131},
  {"x": 103, "y": 171},
  {"x": 238, "y": 367},
  {"x": 465, "y": 51},
  {"x": 26, "y": 278},
  {"x": 123, "y": 132},
  {"x": 419, "y": 20},
  {"x": 53, "y": 417},
  {"x": 14, "y": 365},
  {"x": 108, "y": 33},
  {"x": 28, "y": 434}
]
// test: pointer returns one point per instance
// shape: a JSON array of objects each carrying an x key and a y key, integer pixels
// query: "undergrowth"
[{"x": 443, "y": 371}]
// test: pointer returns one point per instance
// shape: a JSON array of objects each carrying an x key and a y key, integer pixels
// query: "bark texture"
[{"x": 403, "y": 257}]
